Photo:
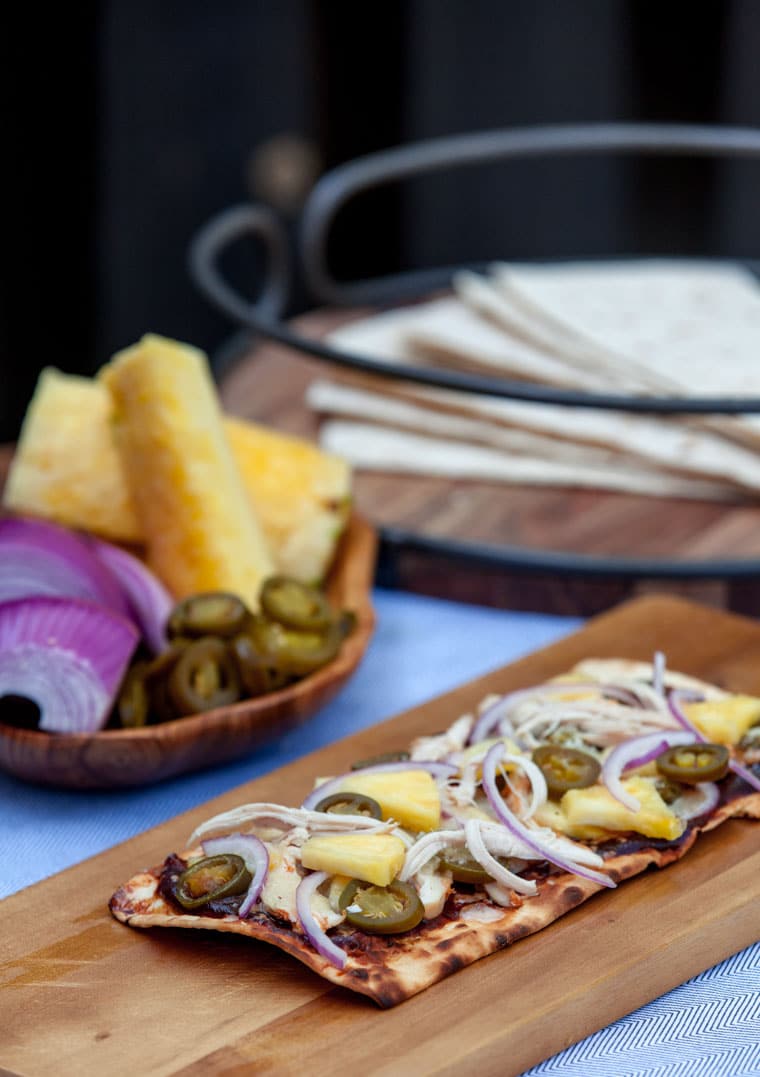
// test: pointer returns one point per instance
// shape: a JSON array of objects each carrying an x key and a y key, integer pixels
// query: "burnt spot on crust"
[
  {"x": 453, "y": 963},
  {"x": 360, "y": 974},
  {"x": 573, "y": 896},
  {"x": 502, "y": 940}
]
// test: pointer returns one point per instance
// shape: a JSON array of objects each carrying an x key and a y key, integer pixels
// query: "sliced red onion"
[
  {"x": 491, "y": 717},
  {"x": 65, "y": 655},
  {"x": 149, "y": 601},
  {"x": 658, "y": 673},
  {"x": 531, "y": 838},
  {"x": 254, "y": 852},
  {"x": 437, "y": 768},
  {"x": 698, "y": 800},
  {"x": 42, "y": 559},
  {"x": 489, "y": 863},
  {"x": 676, "y": 699},
  {"x": 636, "y": 753},
  {"x": 318, "y": 938}
]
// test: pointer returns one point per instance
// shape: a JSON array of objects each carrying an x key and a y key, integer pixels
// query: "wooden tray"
[
  {"x": 268, "y": 385},
  {"x": 80, "y": 993}
]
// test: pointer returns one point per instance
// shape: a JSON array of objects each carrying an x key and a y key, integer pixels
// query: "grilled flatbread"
[{"x": 605, "y": 709}]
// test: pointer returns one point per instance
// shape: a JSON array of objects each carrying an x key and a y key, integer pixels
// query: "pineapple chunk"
[
  {"x": 200, "y": 529},
  {"x": 724, "y": 721},
  {"x": 373, "y": 858},
  {"x": 596, "y": 807},
  {"x": 408, "y": 796}
]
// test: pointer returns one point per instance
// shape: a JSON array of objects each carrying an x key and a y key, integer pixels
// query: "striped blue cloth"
[{"x": 709, "y": 1027}]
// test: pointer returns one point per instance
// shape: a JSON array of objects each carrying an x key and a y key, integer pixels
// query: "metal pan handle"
[
  {"x": 339, "y": 186},
  {"x": 240, "y": 222}
]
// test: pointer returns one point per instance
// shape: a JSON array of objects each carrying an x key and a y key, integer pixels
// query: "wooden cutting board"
[
  {"x": 268, "y": 385},
  {"x": 81, "y": 993}
]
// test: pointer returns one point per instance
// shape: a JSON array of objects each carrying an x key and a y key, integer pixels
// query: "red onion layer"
[
  {"x": 254, "y": 852},
  {"x": 699, "y": 800},
  {"x": 318, "y": 938},
  {"x": 42, "y": 559},
  {"x": 65, "y": 655},
  {"x": 149, "y": 601}
]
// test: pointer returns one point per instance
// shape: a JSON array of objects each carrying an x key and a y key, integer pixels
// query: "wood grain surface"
[
  {"x": 268, "y": 384},
  {"x": 80, "y": 993}
]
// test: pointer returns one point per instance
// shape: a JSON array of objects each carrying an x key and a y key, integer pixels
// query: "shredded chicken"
[
  {"x": 444, "y": 744},
  {"x": 254, "y": 816}
]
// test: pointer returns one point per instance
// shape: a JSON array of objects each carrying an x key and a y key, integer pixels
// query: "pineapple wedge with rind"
[
  {"x": 373, "y": 858},
  {"x": 410, "y": 797},
  {"x": 200, "y": 529},
  {"x": 66, "y": 468},
  {"x": 301, "y": 495}
]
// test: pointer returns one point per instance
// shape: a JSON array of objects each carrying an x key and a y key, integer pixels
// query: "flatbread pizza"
[{"x": 403, "y": 871}]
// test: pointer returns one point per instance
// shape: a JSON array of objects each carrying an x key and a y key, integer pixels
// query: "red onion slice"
[
  {"x": 698, "y": 800},
  {"x": 150, "y": 603},
  {"x": 437, "y": 768},
  {"x": 254, "y": 852},
  {"x": 491, "y": 717},
  {"x": 319, "y": 939},
  {"x": 42, "y": 559},
  {"x": 66, "y": 656},
  {"x": 530, "y": 837},
  {"x": 675, "y": 701},
  {"x": 636, "y": 753}
]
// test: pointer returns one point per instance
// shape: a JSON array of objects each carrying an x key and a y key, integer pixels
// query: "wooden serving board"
[
  {"x": 268, "y": 385},
  {"x": 81, "y": 993}
]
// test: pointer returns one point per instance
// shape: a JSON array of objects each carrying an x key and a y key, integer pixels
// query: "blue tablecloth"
[{"x": 422, "y": 647}]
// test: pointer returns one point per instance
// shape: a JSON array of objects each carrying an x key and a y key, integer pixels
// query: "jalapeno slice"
[
  {"x": 381, "y": 910},
  {"x": 257, "y": 673},
  {"x": 565, "y": 768},
  {"x": 350, "y": 804},
  {"x": 384, "y": 757},
  {"x": 295, "y": 604},
  {"x": 203, "y": 677},
  {"x": 464, "y": 868},
  {"x": 692, "y": 763},
  {"x": 133, "y": 702},
  {"x": 669, "y": 790},
  {"x": 212, "y": 878},
  {"x": 212, "y": 613},
  {"x": 292, "y": 651}
]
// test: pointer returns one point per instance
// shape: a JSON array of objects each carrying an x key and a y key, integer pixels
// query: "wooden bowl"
[{"x": 124, "y": 757}]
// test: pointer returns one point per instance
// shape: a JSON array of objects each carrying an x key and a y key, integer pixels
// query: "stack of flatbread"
[{"x": 646, "y": 327}]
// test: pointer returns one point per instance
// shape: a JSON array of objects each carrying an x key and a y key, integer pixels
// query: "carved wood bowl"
[{"x": 124, "y": 757}]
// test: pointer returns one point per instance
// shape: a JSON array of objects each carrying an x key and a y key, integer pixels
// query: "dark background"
[{"x": 131, "y": 124}]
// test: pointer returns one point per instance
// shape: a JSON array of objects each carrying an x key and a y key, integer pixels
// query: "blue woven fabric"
[{"x": 423, "y": 647}]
